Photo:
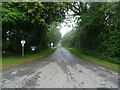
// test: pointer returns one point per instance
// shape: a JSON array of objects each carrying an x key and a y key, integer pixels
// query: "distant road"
[{"x": 61, "y": 69}]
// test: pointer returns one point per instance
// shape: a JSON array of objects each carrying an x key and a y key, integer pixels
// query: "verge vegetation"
[
  {"x": 95, "y": 60},
  {"x": 97, "y": 31},
  {"x": 17, "y": 60}
]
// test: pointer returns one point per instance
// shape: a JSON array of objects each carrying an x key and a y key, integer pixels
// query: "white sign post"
[
  {"x": 51, "y": 44},
  {"x": 22, "y": 42},
  {"x": 33, "y": 48}
]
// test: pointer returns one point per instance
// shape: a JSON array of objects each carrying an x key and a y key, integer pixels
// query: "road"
[{"x": 61, "y": 69}]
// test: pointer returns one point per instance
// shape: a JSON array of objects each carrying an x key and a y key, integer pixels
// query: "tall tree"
[
  {"x": 97, "y": 32},
  {"x": 30, "y": 21}
]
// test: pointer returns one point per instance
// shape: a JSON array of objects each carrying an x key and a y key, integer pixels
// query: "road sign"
[
  {"x": 33, "y": 48},
  {"x": 22, "y": 42},
  {"x": 51, "y": 44}
]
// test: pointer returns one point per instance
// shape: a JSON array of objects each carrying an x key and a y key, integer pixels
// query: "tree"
[
  {"x": 29, "y": 21},
  {"x": 97, "y": 31},
  {"x": 54, "y": 34}
]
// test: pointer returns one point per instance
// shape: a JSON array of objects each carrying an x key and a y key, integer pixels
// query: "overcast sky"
[{"x": 68, "y": 24}]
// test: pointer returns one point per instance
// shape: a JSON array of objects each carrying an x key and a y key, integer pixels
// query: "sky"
[
  {"x": 65, "y": 28},
  {"x": 68, "y": 23}
]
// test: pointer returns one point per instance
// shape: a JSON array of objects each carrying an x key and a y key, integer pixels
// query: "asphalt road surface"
[{"x": 61, "y": 69}]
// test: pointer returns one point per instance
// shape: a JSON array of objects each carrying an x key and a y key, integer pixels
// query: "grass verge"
[
  {"x": 16, "y": 60},
  {"x": 95, "y": 60}
]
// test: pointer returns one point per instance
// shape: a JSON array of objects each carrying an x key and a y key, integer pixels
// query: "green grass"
[
  {"x": 95, "y": 60},
  {"x": 15, "y": 60}
]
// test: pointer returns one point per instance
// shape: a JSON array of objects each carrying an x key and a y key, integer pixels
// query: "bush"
[
  {"x": 100, "y": 55},
  {"x": 6, "y": 53}
]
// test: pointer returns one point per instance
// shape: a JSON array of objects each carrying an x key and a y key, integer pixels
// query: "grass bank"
[
  {"x": 95, "y": 60},
  {"x": 16, "y": 60}
]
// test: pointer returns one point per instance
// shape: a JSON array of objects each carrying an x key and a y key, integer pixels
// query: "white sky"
[
  {"x": 68, "y": 24},
  {"x": 65, "y": 28}
]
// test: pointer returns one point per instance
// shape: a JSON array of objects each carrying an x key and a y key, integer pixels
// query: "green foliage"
[
  {"x": 15, "y": 60},
  {"x": 30, "y": 21},
  {"x": 54, "y": 34},
  {"x": 95, "y": 60},
  {"x": 98, "y": 30}
]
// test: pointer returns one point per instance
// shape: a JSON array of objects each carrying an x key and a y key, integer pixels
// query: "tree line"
[
  {"x": 35, "y": 22},
  {"x": 98, "y": 30}
]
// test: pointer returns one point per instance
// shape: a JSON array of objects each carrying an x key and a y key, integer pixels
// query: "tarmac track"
[{"x": 60, "y": 69}]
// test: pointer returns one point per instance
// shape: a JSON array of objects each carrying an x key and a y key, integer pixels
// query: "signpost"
[
  {"x": 33, "y": 48},
  {"x": 22, "y": 42},
  {"x": 51, "y": 44}
]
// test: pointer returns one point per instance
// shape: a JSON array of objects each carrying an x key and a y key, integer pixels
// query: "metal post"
[
  {"x": 22, "y": 50},
  {"x": 22, "y": 42}
]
